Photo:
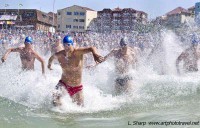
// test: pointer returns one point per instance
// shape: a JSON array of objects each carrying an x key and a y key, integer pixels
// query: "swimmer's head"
[
  {"x": 194, "y": 42},
  {"x": 4, "y": 41},
  {"x": 28, "y": 40},
  {"x": 58, "y": 38},
  {"x": 123, "y": 42},
  {"x": 23, "y": 36},
  {"x": 68, "y": 40}
]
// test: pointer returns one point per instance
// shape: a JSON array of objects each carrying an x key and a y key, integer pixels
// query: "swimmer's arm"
[
  {"x": 97, "y": 57},
  {"x": 86, "y": 50},
  {"x": 105, "y": 58},
  {"x": 39, "y": 58},
  {"x": 110, "y": 54},
  {"x": 50, "y": 61},
  {"x": 180, "y": 58},
  {"x": 134, "y": 62},
  {"x": 8, "y": 52}
]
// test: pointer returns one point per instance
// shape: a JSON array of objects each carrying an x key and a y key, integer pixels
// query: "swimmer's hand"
[
  {"x": 49, "y": 67},
  {"x": 3, "y": 59},
  {"x": 98, "y": 58}
]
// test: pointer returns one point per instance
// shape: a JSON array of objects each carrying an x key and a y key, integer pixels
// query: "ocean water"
[{"x": 25, "y": 97}]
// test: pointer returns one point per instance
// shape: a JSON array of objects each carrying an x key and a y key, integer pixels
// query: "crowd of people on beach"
[{"x": 44, "y": 40}]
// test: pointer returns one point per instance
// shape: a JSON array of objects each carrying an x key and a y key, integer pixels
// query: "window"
[
  {"x": 81, "y": 20},
  {"x": 133, "y": 14},
  {"x": 75, "y": 27},
  {"x": 115, "y": 21},
  {"x": 58, "y": 13},
  {"x": 75, "y": 13},
  {"x": 143, "y": 16},
  {"x": 106, "y": 14},
  {"x": 126, "y": 20},
  {"x": 82, "y": 13},
  {"x": 134, "y": 20},
  {"x": 58, "y": 25},
  {"x": 106, "y": 27},
  {"x": 126, "y": 14},
  {"x": 75, "y": 20},
  {"x": 44, "y": 16},
  {"x": 68, "y": 26},
  {"x": 116, "y": 27},
  {"x": 31, "y": 14},
  {"x": 136, "y": 14},
  {"x": 116, "y": 14},
  {"x": 126, "y": 27},
  {"x": 69, "y": 20},
  {"x": 81, "y": 27},
  {"x": 69, "y": 13},
  {"x": 13, "y": 13},
  {"x": 50, "y": 18}
]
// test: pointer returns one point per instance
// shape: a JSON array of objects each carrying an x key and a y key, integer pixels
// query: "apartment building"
[
  {"x": 178, "y": 16},
  {"x": 75, "y": 18},
  {"x": 28, "y": 18},
  {"x": 192, "y": 10},
  {"x": 118, "y": 20}
]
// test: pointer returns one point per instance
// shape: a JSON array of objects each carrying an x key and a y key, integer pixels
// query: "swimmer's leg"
[
  {"x": 57, "y": 95},
  {"x": 78, "y": 98}
]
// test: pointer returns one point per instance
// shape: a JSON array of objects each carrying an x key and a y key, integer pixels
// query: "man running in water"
[
  {"x": 71, "y": 62},
  {"x": 189, "y": 57},
  {"x": 125, "y": 59},
  {"x": 27, "y": 55}
]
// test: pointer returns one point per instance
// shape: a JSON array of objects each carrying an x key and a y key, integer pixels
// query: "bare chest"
[
  {"x": 27, "y": 56},
  {"x": 71, "y": 64}
]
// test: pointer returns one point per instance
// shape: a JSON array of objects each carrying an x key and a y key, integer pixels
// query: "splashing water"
[{"x": 154, "y": 97}]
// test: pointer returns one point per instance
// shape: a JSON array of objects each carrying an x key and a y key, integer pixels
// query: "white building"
[
  {"x": 75, "y": 18},
  {"x": 178, "y": 16}
]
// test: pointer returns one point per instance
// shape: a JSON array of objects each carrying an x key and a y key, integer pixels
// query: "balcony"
[{"x": 116, "y": 15}]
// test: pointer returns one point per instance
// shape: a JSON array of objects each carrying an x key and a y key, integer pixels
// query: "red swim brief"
[{"x": 71, "y": 90}]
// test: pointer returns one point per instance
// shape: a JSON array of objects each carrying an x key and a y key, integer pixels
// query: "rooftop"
[
  {"x": 191, "y": 8},
  {"x": 85, "y": 8},
  {"x": 178, "y": 10},
  {"x": 117, "y": 9}
]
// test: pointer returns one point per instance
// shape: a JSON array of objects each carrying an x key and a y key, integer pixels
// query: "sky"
[{"x": 153, "y": 8}]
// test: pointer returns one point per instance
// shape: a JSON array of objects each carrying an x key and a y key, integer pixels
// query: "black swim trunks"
[
  {"x": 192, "y": 69},
  {"x": 123, "y": 80}
]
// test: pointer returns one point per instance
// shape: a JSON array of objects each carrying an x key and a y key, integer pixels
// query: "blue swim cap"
[
  {"x": 28, "y": 40},
  {"x": 68, "y": 40},
  {"x": 194, "y": 39},
  {"x": 123, "y": 42}
]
